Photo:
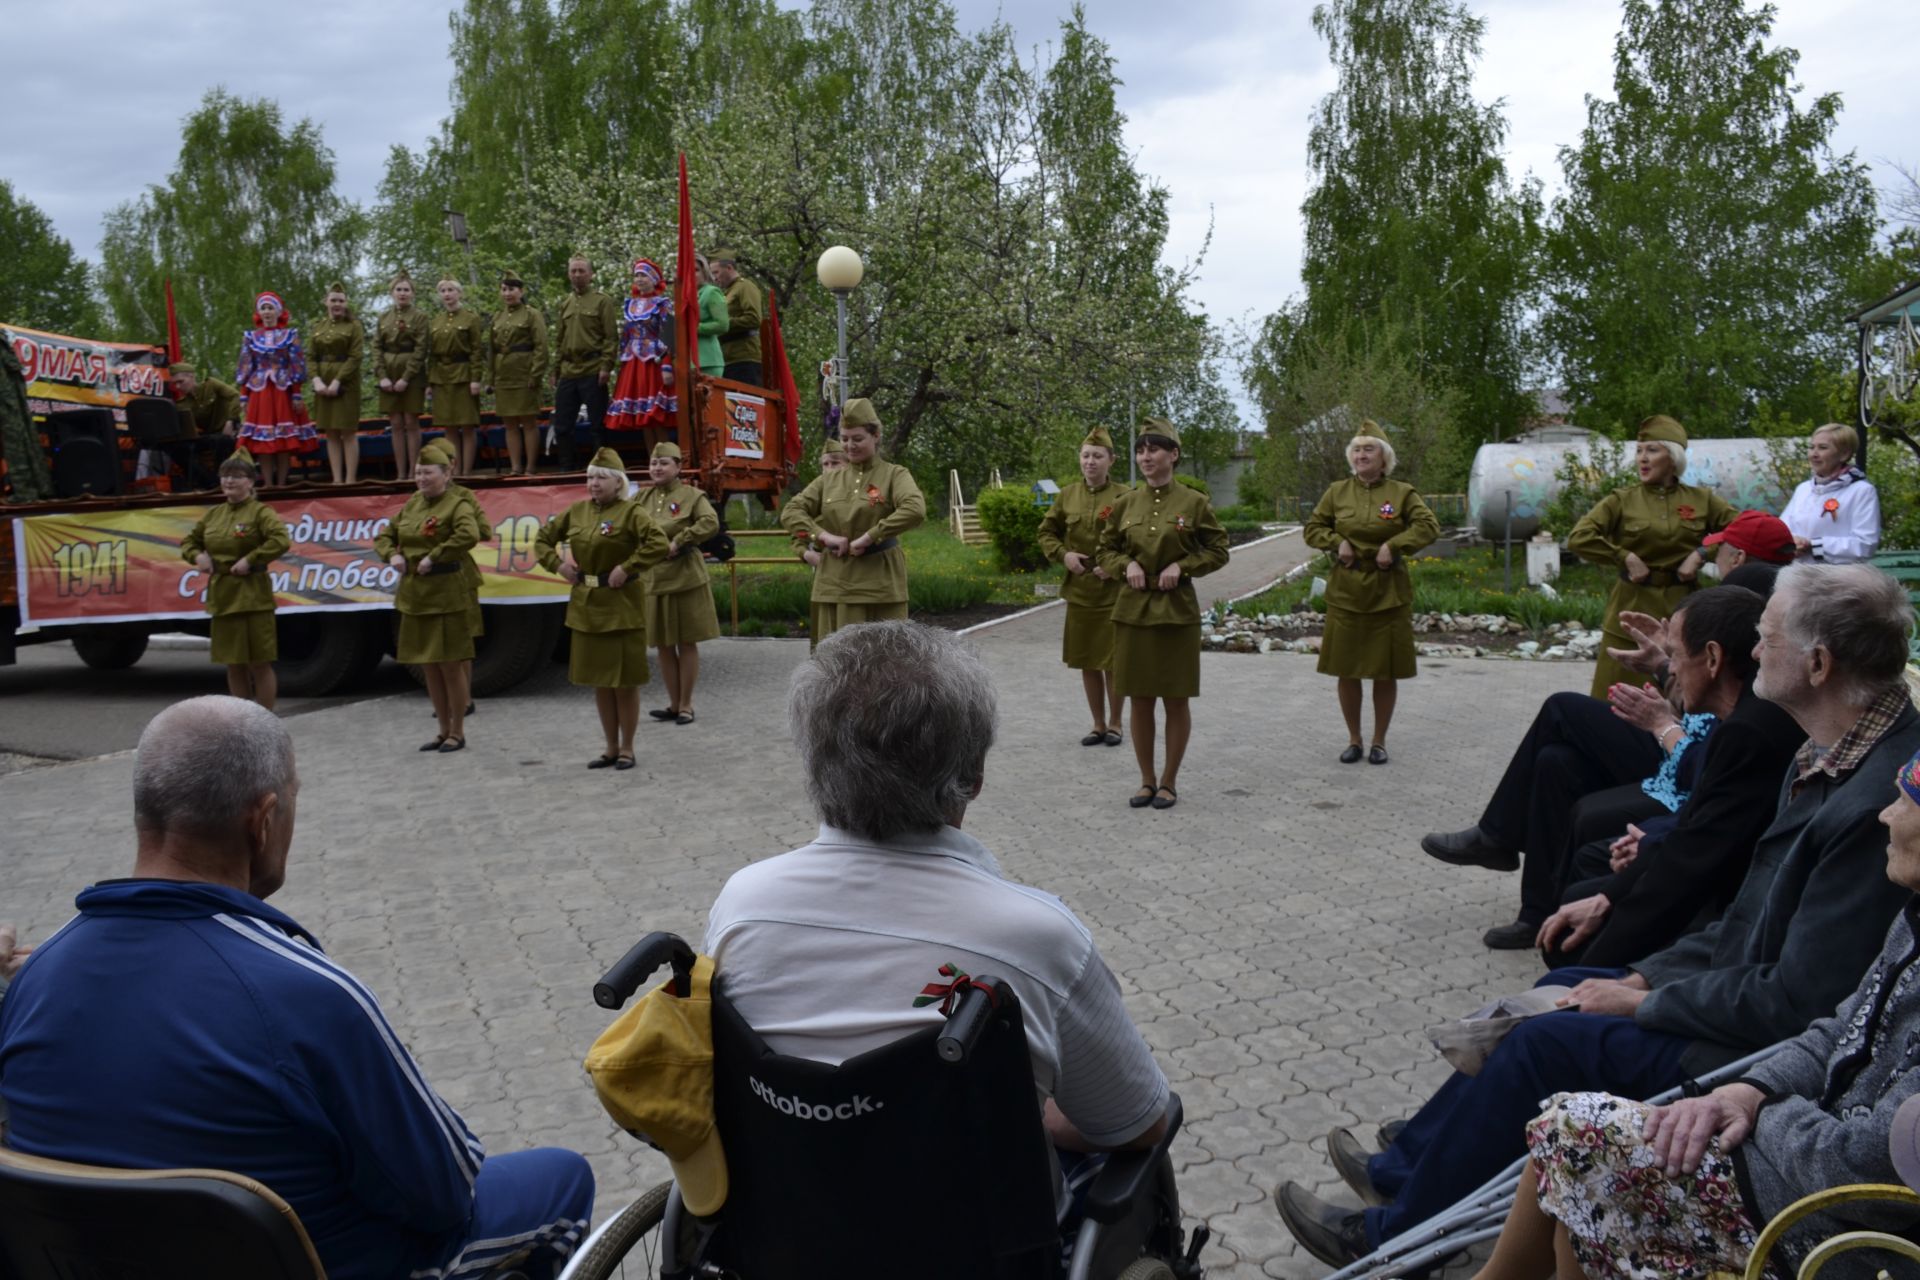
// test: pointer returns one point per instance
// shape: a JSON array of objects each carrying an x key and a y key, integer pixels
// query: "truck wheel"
[
  {"x": 518, "y": 640},
  {"x": 111, "y": 650},
  {"x": 325, "y": 653}
]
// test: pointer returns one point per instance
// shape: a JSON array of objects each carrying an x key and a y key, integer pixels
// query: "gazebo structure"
[{"x": 1887, "y": 368}]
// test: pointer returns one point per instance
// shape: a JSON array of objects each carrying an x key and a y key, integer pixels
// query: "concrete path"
[{"x": 1281, "y": 939}]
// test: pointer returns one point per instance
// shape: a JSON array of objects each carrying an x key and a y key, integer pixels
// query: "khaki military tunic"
[
  {"x": 679, "y": 594},
  {"x": 333, "y": 351},
  {"x": 211, "y": 407},
  {"x": 456, "y": 358},
  {"x": 878, "y": 498},
  {"x": 1072, "y": 523},
  {"x": 433, "y": 606},
  {"x": 1156, "y": 635},
  {"x": 586, "y": 335},
  {"x": 1663, "y": 526},
  {"x": 1369, "y": 628},
  {"x": 745, "y": 309},
  {"x": 517, "y": 352},
  {"x": 399, "y": 351},
  {"x": 609, "y": 624},
  {"x": 241, "y": 605}
]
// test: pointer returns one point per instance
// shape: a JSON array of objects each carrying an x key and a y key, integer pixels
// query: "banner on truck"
[
  {"x": 125, "y": 566},
  {"x": 746, "y": 426},
  {"x": 64, "y": 372}
]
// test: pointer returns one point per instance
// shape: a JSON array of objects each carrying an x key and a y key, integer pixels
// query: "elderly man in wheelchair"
[{"x": 896, "y": 1055}]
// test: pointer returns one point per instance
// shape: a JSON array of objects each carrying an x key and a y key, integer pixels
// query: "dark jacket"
[
  {"x": 1808, "y": 920},
  {"x": 1700, "y": 863}
]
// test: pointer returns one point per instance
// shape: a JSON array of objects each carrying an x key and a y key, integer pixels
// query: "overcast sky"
[{"x": 1217, "y": 92}]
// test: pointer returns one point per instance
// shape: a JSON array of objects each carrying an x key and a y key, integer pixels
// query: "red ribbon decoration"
[
  {"x": 1831, "y": 509},
  {"x": 948, "y": 992}
]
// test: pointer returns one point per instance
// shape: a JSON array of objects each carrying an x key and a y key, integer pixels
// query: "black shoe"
[
  {"x": 1335, "y": 1235},
  {"x": 1352, "y": 754},
  {"x": 1141, "y": 798},
  {"x": 1113, "y": 737},
  {"x": 1469, "y": 848},
  {"x": 1378, "y": 755},
  {"x": 1389, "y": 1134},
  {"x": 1094, "y": 739},
  {"x": 664, "y": 713},
  {"x": 1517, "y": 936},
  {"x": 1167, "y": 801},
  {"x": 1349, "y": 1160}
]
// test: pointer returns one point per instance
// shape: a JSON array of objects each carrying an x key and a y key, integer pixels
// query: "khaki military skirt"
[
  {"x": 241, "y": 638},
  {"x": 682, "y": 617},
  {"x": 1086, "y": 644},
  {"x": 412, "y": 400},
  {"x": 828, "y": 616},
  {"x": 1156, "y": 662},
  {"x": 433, "y": 637},
  {"x": 454, "y": 405},
  {"x": 608, "y": 659},
  {"x": 1368, "y": 646},
  {"x": 516, "y": 402},
  {"x": 336, "y": 415}
]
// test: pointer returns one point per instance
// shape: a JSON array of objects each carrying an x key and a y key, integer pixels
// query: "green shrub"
[
  {"x": 1584, "y": 481},
  {"x": 1012, "y": 521},
  {"x": 1895, "y": 474},
  {"x": 1240, "y": 513},
  {"x": 1193, "y": 482}
]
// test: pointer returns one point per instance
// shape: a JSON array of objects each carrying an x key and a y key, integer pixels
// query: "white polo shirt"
[
  {"x": 825, "y": 948},
  {"x": 1847, "y": 534}
]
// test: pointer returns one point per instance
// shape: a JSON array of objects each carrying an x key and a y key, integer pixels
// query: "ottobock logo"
[{"x": 801, "y": 1109}]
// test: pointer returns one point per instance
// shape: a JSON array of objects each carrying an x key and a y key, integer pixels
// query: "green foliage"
[
  {"x": 1013, "y": 522},
  {"x": 1896, "y": 475},
  {"x": 1583, "y": 481},
  {"x": 1709, "y": 240},
  {"x": 250, "y": 205},
  {"x": 943, "y": 575},
  {"x": 1241, "y": 513},
  {"x": 42, "y": 285},
  {"x": 1192, "y": 482},
  {"x": 1474, "y": 581}
]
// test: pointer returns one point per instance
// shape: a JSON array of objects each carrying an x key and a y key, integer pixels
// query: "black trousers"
[
  {"x": 747, "y": 371},
  {"x": 569, "y": 395},
  {"x": 190, "y": 452},
  {"x": 1575, "y": 747}
]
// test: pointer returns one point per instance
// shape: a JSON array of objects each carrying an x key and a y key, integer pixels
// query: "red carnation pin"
[
  {"x": 873, "y": 495},
  {"x": 1105, "y": 512},
  {"x": 1831, "y": 509},
  {"x": 1685, "y": 510}
]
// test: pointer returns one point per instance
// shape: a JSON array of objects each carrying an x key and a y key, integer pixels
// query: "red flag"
[
  {"x": 686, "y": 302},
  {"x": 173, "y": 326},
  {"x": 782, "y": 381}
]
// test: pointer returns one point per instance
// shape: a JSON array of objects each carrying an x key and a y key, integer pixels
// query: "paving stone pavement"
[{"x": 1280, "y": 937}]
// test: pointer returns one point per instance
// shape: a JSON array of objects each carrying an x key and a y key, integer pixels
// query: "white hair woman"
[
  {"x": 427, "y": 544},
  {"x": 603, "y": 546},
  {"x": 1835, "y": 515},
  {"x": 1652, "y": 533},
  {"x": 1369, "y": 523},
  {"x": 1070, "y": 535}
]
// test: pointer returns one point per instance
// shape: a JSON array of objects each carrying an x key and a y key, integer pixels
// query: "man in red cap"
[{"x": 1753, "y": 535}]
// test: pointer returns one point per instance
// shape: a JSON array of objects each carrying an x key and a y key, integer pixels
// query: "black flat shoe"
[
  {"x": 1172, "y": 798},
  {"x": 602, "y": 762},
  {"x": 1335, "y": 1235},
  {"x": 1469, "y": 848},
  {"x": 1517, "y": 936},
  {"x": 471, "y": 708},
  {"x": 1378, "y": 755},
  {"x": 453, "y": 744},
  {"x": 623, "y": 761},
  {"x": 1113, "y": 737},
  {"x": 434, "y": 745},
  {"x": 1352, "y": 754},
  {"x": 665, "y": 713},
  {"x": 1094, "y": 739},
  {"x": 1141, "y": 798},
  {"x": 684, "y": 717}
]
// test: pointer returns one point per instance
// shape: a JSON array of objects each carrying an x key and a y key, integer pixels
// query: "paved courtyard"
[{"x": 1281, "y": 938}]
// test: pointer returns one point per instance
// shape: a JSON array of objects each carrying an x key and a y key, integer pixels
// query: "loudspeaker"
[
  {"x": 153, "y": 420},
  {"x": 81, "y": 424}
]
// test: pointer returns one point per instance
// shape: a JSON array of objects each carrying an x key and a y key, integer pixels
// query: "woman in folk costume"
[
  {"x": 274, "y": 425},
  {"x": 643, "y": 395}
]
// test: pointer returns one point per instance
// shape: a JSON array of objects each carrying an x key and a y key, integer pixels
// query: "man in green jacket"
[
  {"x": 586, "y": 343},
  {"x": 741, "y": 342}
]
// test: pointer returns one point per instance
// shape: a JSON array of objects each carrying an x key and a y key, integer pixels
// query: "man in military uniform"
[
  {"x": 209, "y": 420},
  {"x": 586, "y": 342},
  {"x": 740, "y": 344}
]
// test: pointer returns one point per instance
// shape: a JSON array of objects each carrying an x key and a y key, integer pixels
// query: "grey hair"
[
  {"x": 893, "y": 721},
  {"x": 1678, "y": 452},
  {"x": 203, "y": 763},
  {"x": 1386, "y": 451},
  {"x": 626, "y": 481},
  {"x": 1858, "y": 614}
]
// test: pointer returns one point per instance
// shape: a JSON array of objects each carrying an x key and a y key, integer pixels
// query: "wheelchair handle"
[
  {"x": 635, "y": 967},
  {"x": 970, "y": 1016}
]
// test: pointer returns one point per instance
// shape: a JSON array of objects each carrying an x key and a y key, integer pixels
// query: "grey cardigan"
[
  {"x": 1809, "y": 917},
  {"x": 1831, "y": 1095}
]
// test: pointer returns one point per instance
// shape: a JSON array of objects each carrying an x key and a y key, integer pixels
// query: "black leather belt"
[
  {"x": 520, "y": 347},
  {"x": 885, "y": 544},
  {"x": 445, "y": 566}
]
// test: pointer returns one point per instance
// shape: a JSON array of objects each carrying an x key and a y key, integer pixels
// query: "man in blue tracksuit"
[{"x": 179, "y": 1020}]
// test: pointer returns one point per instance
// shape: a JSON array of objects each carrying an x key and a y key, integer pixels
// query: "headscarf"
[
  {"x": 269, "y": 296},
  {"x": 643, "y": 267}
]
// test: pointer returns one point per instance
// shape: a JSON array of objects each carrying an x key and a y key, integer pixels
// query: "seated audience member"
[
  {"x": 823, "y": 949},
  {"x": 210, "y": 412},
  {"x": 180, "y": 1021},
  {"x": 1834, "y": 515},
  {"x": 1693, "y": 1183},
  {"x": 1673, "y": 870},
  {"x": 1806, "y": 922}
]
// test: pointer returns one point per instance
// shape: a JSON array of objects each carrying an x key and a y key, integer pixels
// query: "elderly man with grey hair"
[
  {"x": 180, "y": 1021},
  {"x": 824, "y": 948}
]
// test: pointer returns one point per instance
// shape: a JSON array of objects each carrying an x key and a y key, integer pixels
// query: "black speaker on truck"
[{"x": 86, "y": 453}]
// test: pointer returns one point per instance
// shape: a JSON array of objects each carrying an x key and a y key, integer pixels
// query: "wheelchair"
[{"x": 923, "y": 1157}]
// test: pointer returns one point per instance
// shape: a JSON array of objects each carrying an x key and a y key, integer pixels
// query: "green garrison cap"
[
  {"x": 859, "y": 413},
  {"x": 1160, "y": 429},
  {"x": 1100, "y": 436},
  {"x": 667, "y": 449},
  {"x": 833, "y": 445},
  {"x": 1661, "y": 427},
  {"x": 437, "y": 452},
  {"x": 609, "y": 460},
  {"x": 180, "y": 367}
]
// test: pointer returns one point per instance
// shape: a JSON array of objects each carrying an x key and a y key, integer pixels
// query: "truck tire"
[
  {"x": 111, "y": 650},
  {"x": 518, "y": 641},
  {"x": 327, "y": 653}
]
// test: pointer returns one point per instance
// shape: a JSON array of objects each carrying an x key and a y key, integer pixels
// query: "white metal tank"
[{"x": 1527, "y": 475}]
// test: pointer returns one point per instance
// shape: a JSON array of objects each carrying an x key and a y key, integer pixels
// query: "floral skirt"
[
  {"x": 1625, "y": 1217},
  {"x": 276, "y": 421},
  {"x": 642, "y": 396}
]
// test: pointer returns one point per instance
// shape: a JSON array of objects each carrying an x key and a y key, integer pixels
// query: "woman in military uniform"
[
  {"x": 855, "y": 516},
  {"x": 399, "y": 361},
  {"x": 1156, "y": 541},
  {"x": 333, "y": 355},
  {"x": 233, "y": 544},
  {"x": 833, "y": 456},
  {"x": 1070, "y": 535},
  {"x": 517, "y": 350},
  {"x": 1652, "y": 533},
  {"x": 441, "y": 453},
  {"x": 1369, "y": 523},
  {"x": 679, "y": 608},
  {"x": 604, "y": 546},
  {"x": 427, "y": 543},
  {"x": 456, "y": 357}
]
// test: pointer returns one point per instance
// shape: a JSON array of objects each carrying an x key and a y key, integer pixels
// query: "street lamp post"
[
  {"x": 457, "y": 228},
  {"x": 840, "y": 270}
]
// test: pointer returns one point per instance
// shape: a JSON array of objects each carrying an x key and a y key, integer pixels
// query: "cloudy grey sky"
[{"x": 1218, "y": 94}]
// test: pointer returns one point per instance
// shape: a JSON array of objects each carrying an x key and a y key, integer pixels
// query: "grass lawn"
[{"x": 1470, "y": 581}]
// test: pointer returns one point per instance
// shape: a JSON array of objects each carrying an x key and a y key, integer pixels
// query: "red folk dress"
[
  {"x": 643, "y": 394},
  {"x": 272, "y": 369}
]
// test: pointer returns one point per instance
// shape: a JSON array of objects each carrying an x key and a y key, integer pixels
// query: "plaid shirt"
[{"x": 1844, "y": 756}]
